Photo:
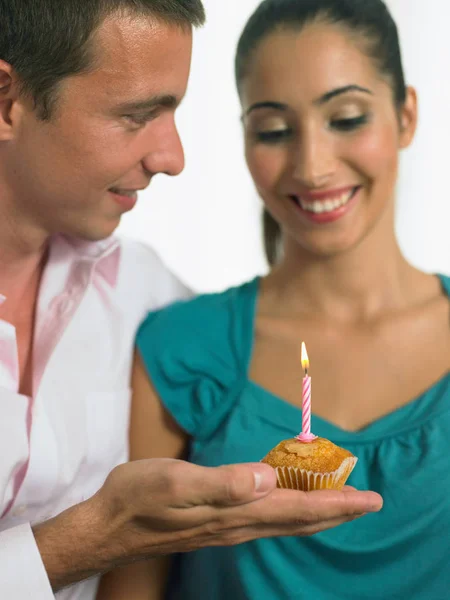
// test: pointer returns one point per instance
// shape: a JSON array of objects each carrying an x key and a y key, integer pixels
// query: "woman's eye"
[
  {"x": 272, "y": 137},
  {"x": 349, "y": 124}
]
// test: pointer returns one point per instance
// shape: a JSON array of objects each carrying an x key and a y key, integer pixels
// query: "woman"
[{"x": 325, "y": 113}]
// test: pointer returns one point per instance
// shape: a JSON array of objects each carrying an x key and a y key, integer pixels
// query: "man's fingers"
[
  {"x": 289, "y": 507},
  {"x": 247, "y": 494},
  {"x": 326, "y": 505},
  {"x": 242, "y": 484},
  {"x": 330, "y": 504},
  {"x": 239, "y": 535}
]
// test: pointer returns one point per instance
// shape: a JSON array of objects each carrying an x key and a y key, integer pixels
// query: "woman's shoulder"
[
  {"x": 206, "y": 316},
  {"x": 216, "y": 301},
  {"x": 195, "y": 351}
]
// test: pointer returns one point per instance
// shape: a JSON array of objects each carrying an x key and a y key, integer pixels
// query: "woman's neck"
[{"x": 359, "y": 284}]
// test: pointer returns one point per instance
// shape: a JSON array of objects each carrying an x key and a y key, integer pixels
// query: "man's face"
[{"x": 112, "y": 130}]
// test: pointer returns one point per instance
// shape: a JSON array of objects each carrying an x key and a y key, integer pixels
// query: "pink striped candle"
[{"x": 306, "y": 435}]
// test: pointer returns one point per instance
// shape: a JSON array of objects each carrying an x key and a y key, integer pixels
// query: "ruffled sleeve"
[{"x": 195, "y": 354}]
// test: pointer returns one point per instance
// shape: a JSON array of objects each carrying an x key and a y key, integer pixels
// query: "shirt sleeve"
[{"x": 22, "y": 572}]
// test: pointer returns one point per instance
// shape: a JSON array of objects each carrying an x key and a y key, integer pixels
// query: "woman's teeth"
[{"x": 325, "y": 206}]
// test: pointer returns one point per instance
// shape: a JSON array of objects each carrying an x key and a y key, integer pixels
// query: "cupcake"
[
  {"x": 313, "y": 463},
  {"x": 308, "y": 462}
]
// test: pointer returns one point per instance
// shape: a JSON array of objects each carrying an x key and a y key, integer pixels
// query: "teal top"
[{"x": 197, "y": 354}]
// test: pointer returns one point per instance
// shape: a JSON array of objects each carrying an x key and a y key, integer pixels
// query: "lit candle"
[{"x": 306, "y": 435}]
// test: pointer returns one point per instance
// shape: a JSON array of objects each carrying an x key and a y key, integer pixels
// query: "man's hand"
[
  {"x": 163, "y": 506},
  {"x": 159, "y": 506}
]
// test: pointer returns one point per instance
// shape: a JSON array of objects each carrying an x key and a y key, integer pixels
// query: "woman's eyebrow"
[
  {"x": 322, "y": 100},
  {"x": 341, "y": 90}
]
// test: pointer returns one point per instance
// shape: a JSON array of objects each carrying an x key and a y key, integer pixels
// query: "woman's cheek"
[
  {"x": 266, "y": 166},
  {"x": 375, "y": 152}
]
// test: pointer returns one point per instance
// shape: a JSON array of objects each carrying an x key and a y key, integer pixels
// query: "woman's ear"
[{"x": 408, "y": 116}]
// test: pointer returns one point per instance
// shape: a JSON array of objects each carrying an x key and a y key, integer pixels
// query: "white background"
[{"x": 206, "y": 223}]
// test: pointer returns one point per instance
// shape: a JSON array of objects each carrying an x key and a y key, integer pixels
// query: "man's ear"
[{"x": 8, "y": 98}]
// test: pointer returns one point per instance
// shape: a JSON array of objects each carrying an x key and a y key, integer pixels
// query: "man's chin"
[{"x": 95, "y": 234}]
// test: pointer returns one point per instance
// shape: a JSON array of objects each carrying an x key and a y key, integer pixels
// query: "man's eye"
[
  {"x": 349, "y": 124},
  {"x": 140, "y": 119},
  {"x": 272, "y": 137}
]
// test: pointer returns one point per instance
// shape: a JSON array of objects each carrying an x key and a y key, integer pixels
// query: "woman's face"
[{"x": 322, "y": 136}]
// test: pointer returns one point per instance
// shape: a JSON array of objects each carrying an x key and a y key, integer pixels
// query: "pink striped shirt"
[{"x": 57, "y": 448}]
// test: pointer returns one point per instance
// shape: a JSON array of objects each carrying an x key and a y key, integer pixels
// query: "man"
[{"x": 88, "y": 92}]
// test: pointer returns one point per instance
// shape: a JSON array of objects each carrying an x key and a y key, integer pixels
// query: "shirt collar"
[{"x": 105, "y": 255}]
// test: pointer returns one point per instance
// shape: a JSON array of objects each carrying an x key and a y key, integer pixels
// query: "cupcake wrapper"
[{"x": 294, "y": 478}]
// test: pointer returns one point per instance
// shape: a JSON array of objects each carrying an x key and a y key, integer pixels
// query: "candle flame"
[{"x": 305, "y": 359}]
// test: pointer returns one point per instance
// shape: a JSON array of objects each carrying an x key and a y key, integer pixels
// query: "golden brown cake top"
[{"x": 320, "y": 455}]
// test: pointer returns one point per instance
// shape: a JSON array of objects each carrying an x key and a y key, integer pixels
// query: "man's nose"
[{"x": 165, "y": 152}]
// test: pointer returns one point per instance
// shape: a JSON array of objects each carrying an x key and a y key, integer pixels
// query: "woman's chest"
[{"x": 358, "y": 375}]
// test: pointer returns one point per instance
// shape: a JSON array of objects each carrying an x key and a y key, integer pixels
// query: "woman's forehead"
[{"x": 311, "y": 62}]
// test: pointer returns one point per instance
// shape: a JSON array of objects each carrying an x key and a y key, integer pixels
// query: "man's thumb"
[{"x": 243, "y": 483}]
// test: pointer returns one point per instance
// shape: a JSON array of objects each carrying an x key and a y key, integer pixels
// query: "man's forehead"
[
  {"x": 118, "y": 30},
  {"x": 122, "y": 38},
  {"x": 142, "y": 58}
]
